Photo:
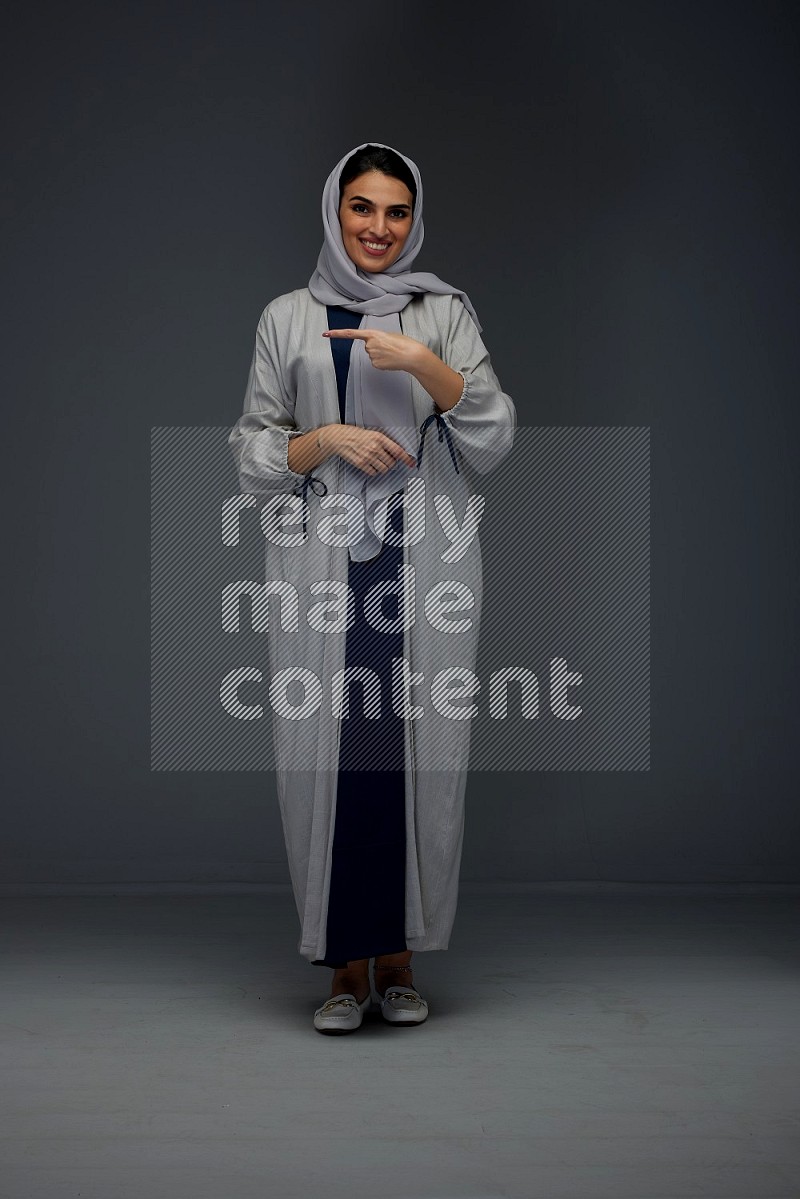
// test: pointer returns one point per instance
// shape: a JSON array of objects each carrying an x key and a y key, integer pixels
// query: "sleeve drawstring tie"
[
  {"x": 443, "y": 430},
  {"x": 318, "y": 486}
]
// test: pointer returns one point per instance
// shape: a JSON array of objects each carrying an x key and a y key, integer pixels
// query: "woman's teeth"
[{"x": 375, "y": 245}]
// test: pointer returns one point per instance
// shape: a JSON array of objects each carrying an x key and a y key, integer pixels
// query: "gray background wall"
[{"x": 616, "y": 187}]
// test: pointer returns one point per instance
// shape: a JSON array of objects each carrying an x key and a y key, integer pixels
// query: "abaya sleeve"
[
  {"x": 484, "y": 419},
  {"x": 259, "y": 440}
]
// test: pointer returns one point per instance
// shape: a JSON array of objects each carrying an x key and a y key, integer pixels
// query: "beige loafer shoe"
[
  {"x": 341, "y": 1013},
  {"x": 403, "y": 1005}
]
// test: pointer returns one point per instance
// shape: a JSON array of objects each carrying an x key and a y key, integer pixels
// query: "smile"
[{"x": 374, "y": 247}]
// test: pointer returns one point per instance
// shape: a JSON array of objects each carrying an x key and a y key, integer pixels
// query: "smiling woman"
[{"x": 347, "y": 376}]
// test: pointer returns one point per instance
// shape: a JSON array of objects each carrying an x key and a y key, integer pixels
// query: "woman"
[{"x": 348, "y": 377}]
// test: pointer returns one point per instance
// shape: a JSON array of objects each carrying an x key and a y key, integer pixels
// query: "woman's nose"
[{"x": 378, "y": 225}]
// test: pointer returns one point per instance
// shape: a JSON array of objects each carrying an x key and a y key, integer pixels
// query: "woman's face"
[{"x": 375, "y": 215}]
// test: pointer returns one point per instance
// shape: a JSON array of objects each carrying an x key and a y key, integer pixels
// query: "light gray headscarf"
[{"x": 375, "y": 399}]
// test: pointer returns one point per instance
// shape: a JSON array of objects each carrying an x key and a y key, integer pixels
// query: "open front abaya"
[{"x": 292, "y": 389}]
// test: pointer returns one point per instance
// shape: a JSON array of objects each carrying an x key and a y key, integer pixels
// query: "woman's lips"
[{"x": 375, "y": 249}]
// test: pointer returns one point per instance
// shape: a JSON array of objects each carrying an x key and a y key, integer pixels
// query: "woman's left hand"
[{"x": 387, "y": 351}]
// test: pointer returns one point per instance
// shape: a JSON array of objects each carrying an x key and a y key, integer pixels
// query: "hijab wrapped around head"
[{"x": 375, "y": 399}]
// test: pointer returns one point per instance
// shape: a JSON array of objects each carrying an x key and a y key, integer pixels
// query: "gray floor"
[{"x": 629, "y": 1043}]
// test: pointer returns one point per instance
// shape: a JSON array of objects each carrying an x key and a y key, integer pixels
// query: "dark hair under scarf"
[{"x": 377, "y": 158}]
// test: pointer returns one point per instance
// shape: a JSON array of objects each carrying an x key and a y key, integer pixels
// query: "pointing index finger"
[{"x": 361, "y": 334}]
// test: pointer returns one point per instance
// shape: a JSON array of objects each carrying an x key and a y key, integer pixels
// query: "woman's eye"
[{"x": 396, "y": 213}]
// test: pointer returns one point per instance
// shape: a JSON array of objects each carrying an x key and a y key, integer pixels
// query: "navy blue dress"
[{"x": 366, "y": 903}]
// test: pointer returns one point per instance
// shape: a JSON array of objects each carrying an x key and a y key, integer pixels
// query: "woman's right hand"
[{"x": 367, "y": 449}]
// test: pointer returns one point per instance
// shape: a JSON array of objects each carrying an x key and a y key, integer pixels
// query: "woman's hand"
[
  {"x": 367, "y": 449},
  {"x": 396, "y": 352},
  {"x": 387, "y": 351}
]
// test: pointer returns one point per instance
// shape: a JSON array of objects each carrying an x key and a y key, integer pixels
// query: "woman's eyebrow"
[{"x": 372, "y": 202}]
